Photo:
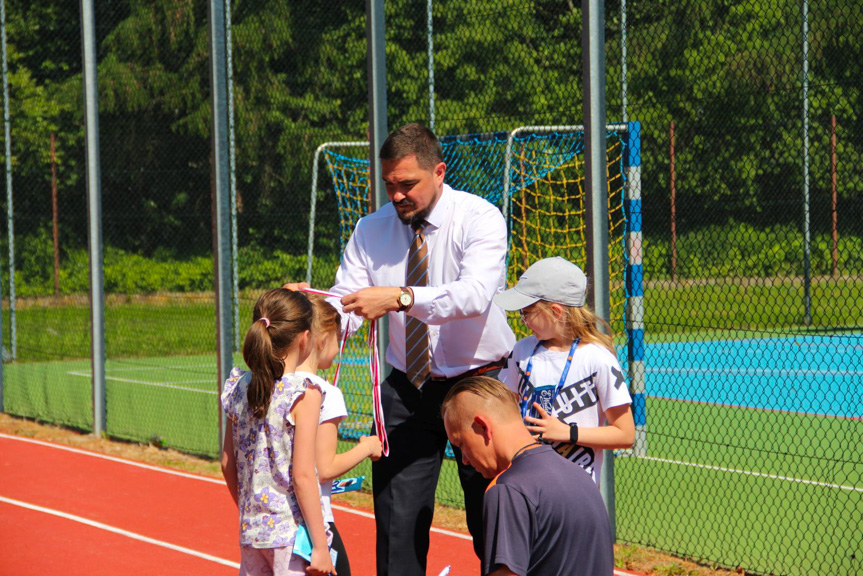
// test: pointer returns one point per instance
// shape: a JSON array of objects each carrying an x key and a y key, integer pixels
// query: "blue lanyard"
[{"x": 525, "y": 408}]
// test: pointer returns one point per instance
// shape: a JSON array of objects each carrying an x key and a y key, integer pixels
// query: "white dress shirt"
[{"x": 467, "y": 242}]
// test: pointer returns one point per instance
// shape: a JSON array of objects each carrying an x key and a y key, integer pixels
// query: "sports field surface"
[
  {"x": 730, "y": 467},
  {"x": 69, "y": 511}
]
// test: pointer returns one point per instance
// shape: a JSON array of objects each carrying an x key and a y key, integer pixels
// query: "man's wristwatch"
[{"x": 406, "y": 299}]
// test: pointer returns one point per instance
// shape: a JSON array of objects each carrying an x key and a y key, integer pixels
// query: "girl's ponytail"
[{"x": 280, "y": 315}]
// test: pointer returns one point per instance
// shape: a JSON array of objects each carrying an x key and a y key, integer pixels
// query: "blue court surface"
[{"x": 819, "y": 375}]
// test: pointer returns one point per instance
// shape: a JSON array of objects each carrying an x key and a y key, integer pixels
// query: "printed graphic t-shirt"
[{"x": 594, "y": 384}]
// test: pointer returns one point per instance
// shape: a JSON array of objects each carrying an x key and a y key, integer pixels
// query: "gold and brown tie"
[{"x": 417, "y": 361}]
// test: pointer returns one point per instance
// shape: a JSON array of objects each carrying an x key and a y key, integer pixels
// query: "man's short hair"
[
  {"x": 416, "y": 139},
  {"x": 492, "y": 392}
]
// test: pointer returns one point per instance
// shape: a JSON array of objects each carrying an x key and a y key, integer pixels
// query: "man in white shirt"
[{"x": 465, "y": 242}]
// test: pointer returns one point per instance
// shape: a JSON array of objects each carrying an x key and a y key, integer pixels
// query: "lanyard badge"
[{"x": 543, "y": 395}]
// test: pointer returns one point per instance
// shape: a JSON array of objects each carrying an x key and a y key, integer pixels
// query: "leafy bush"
[
  {"x": 735, "y": 250},
  {"x": 129, "y": 273}
]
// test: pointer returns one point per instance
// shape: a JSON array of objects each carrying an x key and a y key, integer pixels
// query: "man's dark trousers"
[{"x": 404, "y": 482}]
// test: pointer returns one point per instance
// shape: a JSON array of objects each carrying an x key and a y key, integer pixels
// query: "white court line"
[
  {"x": 133, "y": 368},
  {"x": 193, "y": 477},
  {"x": 114, "y": 459},
  {"x": 187, "y": 475},
  {"x": 153, "y": 384},
  {"x": 120, "y": 531},
  {"x": 750, "y": 473}
]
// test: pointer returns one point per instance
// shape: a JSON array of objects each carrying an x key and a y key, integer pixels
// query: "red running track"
[{"x": 69, "y": 511}]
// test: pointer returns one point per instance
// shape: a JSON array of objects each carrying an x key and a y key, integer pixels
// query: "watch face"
[{"x": 405, "y": 298}]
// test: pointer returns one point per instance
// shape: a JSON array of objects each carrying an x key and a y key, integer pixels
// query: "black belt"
[{"x": 474, "y": 372}]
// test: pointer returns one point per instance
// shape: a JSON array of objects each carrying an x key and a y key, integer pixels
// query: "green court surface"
[
  {"x": 768, "y": 489},
  {"x": 171, "y": 402}
]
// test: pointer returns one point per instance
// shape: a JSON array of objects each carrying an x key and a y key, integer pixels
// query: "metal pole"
[
  {"x": 673, "y": 176},
  {"x": 834, "y": 204},
  {"x": 220, "y": 186},
  {"x": 623, "y": 57},
  {"x": 8, "y": 169},
  {"x": 807, "y": 280},
  {"x": 55, "y": 217},
  {"x": 377, "y": 81},
  {"x": 9, "y": 218},
  {"x": 596, "y": 217},
  {"x": 94, "y": 196},
  {"x": 232, "y": 159},
  {"x": 431, "y": 64}
]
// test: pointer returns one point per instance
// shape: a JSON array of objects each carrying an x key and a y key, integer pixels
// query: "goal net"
[{"x": 536, "y": 175}]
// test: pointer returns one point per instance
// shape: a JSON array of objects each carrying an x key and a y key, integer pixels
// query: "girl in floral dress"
[{"x": 268, "y": 458}]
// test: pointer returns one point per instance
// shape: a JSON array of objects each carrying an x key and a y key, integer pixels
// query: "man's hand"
[
  {"x": 373, "y": 302},
  {"x": 296, "y": 286}
]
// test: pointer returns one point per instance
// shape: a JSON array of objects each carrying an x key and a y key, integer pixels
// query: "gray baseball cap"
[{"x": 552, "y": 279}]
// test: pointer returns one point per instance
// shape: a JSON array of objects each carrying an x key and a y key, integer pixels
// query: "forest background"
[{"x": 727, "y": 74}]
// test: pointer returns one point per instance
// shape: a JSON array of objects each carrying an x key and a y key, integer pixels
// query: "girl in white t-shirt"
[
  {"x": 326, "y": 333},
  {"x": 570, "y": 386}
]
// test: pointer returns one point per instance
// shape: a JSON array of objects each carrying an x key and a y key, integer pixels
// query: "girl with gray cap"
[{"x": 569, "y": 383}]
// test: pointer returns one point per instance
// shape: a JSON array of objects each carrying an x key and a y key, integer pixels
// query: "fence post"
[
  {"x": 55, "y": 216},
  {"x": 8, "y": 167},
  {"x": 220, "y": 186},
  {"x": 377, "y": 80},
  {"x": 232, "y": 161},
  {"x": 9, "y": 206},
  {"x": 596, "y": 187},
  {"x": 807, "y": 273},
  {"x": 834, "y": 207},
  {"x": 94, "y": 197},
  {"x": 430, "y": 27},
  {"x": 673, "y": 176}
]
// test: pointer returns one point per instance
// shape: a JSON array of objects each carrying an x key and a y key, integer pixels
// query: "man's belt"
[{"x": 474, "y": 372}]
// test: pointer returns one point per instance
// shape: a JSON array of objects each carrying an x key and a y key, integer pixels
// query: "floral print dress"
[{"x": 269, "y": 511}]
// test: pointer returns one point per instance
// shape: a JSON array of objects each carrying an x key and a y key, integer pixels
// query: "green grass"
[
  {"x": 717, "y": 308},
  {"x": 762, "y": 484},
  {"x": 156, "y": 327},
  {"x": 183, "y": 325}
]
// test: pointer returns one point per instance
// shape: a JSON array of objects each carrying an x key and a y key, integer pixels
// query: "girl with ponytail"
[{"x": 268, "y": 458}]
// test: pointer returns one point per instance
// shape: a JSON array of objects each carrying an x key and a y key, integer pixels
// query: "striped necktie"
[{"x": 417, "y": 360}]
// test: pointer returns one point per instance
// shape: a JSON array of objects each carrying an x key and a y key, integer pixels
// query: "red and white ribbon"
[{"x": 374, "y": 372}]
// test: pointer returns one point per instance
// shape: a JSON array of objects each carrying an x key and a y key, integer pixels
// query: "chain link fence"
[
  {"x": 754, "y": 284},
  {"x": 750, "y": 128}
]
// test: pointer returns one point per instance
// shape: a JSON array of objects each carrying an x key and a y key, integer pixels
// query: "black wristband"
[{"x": 573, "y": 433}]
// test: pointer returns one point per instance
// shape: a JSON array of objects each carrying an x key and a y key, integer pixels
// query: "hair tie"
[{"x": 265, "y": 320}]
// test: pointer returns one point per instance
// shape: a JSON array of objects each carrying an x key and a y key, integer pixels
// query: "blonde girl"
[
  {"x": 268, "y": 458},
  {"x": 326, "y": 335},
  {"x": 570, "y": 386}
]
